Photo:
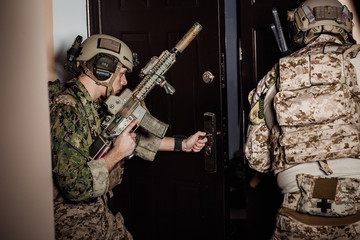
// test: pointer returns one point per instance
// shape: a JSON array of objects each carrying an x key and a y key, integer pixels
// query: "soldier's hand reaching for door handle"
[{"x": 195, "y": 142}]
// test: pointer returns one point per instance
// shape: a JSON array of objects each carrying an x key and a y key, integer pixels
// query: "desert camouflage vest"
[{"x": 316, "y": 109}]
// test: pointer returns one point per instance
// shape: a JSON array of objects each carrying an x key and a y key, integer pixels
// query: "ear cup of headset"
[{"x": 104, "y": 66}]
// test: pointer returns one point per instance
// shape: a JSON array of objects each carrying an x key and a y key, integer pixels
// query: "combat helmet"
[
  {"x": 106, "y": 55},
  {"x": 315, "y": 17}
]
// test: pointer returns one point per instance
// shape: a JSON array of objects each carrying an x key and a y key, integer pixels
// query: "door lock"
[
  {"x": 208, "y": 77},
  {"x": 210, "y": 145}
]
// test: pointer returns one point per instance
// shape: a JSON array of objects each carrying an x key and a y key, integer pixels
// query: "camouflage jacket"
[
  {"x": 81, "y": 183},
  {"x": 305, "y": 109}
]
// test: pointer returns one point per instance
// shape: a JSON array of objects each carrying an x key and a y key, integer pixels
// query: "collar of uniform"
[
  {"x": 323, "y": 38},
  {"x": 317, "y": 44},
  {"x": 80, "y": 91}
]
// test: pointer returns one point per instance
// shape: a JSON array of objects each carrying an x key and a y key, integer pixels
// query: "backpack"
[{"x": 316, "y": 109}]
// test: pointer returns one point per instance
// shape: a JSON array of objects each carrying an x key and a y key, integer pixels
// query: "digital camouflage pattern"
[
  {"x": 289, "y": 228},
  {"x": 316, "y": 109},
  {"x": 314, "y": 118},
  {"x": 87, "y": 220},
  {"x": 291, "y": 224},
  {"x": 257, "y": 148},
  {"x": 74, "y": 125},
  {"x": 80, "y": 183},
  {"x": 331, "y": 197}
]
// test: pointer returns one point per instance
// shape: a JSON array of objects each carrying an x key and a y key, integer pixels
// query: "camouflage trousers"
[
  {"x": 88, "y": 220},
  {"x": 332, "y": 217}
]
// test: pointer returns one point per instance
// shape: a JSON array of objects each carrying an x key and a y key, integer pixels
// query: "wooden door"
[
  {"x": 173, "y": 197},
  {"x": 259, "y": 54}
]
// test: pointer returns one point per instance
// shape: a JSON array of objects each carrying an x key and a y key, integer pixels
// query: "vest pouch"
[
  {"x": 330, "y": 197},
  {"x": 317, "y": 123},
  {"x": 322, "y": 150},
  {"x": 342, "y": 127},
  {"x": 325, "y": 68},
  {"x": 313, "y": 105},
  {"x": 294, "y": 73},
  {"x": 257, "y": 149},
  {"x": 298, "y": 72},
  {"x": 320, "y": 142}
]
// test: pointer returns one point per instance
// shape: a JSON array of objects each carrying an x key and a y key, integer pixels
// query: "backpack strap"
[{"x": 353, "y": 51}]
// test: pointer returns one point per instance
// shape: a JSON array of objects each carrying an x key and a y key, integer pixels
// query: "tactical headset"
[
  {"x": 105, "y": 56},
  {"x": 104, "y": 66}
]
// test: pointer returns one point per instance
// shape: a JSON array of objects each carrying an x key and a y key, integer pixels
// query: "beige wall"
[{"x": 26, "y": 209}]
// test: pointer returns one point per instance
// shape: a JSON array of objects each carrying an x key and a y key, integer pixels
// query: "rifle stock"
[{"x": 128, "y": 106}]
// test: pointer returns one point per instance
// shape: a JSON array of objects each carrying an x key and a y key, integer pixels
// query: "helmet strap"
[{"x": 110, "y": 89}]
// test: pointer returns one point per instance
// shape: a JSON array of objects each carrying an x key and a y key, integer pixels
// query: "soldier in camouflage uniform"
[
  {"x": 80, "y": 182},
  {"x": 304, "y": 126}
]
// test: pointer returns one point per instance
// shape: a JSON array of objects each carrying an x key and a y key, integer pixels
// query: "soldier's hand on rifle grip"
[{"x": 123, "y": 146}]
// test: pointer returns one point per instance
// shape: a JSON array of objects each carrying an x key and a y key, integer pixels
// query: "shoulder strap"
[{"x": 353, "y": 51}]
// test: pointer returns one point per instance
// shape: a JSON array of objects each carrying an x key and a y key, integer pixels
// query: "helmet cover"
[
  {"x": 314, "y": 17},
  {"x": 106, "y": 45}
]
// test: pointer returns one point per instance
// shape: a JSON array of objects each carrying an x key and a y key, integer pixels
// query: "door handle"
[{"x": 210, "y": 145}]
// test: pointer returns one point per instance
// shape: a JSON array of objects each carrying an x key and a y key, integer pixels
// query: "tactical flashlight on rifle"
[{"x": 128, "y": 106}]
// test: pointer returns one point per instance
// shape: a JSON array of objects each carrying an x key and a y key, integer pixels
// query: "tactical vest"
[{"x": 316, "y": 109}]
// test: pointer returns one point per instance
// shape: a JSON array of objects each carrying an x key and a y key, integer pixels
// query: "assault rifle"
[{"x": 128, "y": 106}]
